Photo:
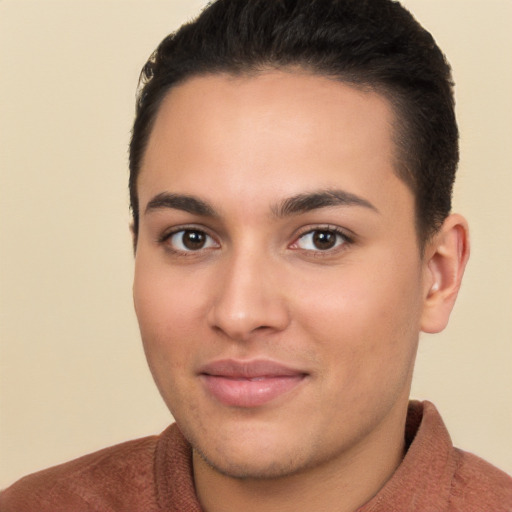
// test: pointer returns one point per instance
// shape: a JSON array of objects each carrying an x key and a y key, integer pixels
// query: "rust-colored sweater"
[{"x": 155, "y": 474}]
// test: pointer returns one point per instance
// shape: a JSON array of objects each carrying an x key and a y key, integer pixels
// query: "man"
[{"x": 291, "y": 172}]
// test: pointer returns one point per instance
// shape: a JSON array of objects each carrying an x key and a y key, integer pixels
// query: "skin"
[{"x": 348, "y": 316}]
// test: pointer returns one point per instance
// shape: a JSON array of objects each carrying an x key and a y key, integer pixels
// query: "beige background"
[{"x": 73, "y": 375}]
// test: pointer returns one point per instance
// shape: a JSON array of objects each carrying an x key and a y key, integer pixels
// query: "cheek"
[
  {"x": 165, "y": 315},
  {"x": 165, "y": 300},
  {"x": 366, "y": 319}
]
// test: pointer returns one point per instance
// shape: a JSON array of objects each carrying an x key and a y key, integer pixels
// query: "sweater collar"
[{"x": 423, "y": 480}]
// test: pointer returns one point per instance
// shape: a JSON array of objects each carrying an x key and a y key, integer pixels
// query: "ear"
[{"x": 446, "y": 255}]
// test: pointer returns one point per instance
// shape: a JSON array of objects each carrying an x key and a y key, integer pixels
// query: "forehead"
[{"x": 275, "y": 134}]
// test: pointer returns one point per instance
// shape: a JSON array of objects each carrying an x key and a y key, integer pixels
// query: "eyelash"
[{"x": 341, "y": 245}]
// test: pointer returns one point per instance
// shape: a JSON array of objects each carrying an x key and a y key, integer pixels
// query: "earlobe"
[{"x": 446, "y": 256}]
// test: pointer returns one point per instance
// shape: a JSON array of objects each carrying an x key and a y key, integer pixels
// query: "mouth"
[{"x": 249, "y": 383}]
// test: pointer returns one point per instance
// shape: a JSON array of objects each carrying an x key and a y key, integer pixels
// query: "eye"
[
  {"x": 320, "y": 240},
  {"x": 187, "y": 240}
]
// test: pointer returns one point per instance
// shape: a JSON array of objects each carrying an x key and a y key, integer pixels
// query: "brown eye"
[
  {"x": 188, "y": 240},
  {"x": 320, "y": 240},
  {"x": 324, "y": 240},
  {"x": 193, "y": 240}
]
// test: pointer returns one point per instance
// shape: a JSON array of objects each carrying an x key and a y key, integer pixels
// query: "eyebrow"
[
  {"x": 186, "y": 203},
  {"x": 295, "y": 205},
  {"x": 309, "y": 201}
]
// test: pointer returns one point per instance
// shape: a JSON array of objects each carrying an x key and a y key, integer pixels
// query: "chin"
[
  {"x": 243, "y": 450},
  {"x": 260, "y": 466}
]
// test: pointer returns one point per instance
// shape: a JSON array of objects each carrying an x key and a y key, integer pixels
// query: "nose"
[{"x": 249, "y": 298}]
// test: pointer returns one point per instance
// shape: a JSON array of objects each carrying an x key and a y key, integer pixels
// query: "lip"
[{"x": 249, "y": 383}]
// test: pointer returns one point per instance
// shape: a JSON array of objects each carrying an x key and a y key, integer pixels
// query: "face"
[{"x": 278, "y": 282}]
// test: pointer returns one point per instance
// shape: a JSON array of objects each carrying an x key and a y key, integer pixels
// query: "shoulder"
[
  {"x": 103, "y": 480},
  {"x": 479, "y": 486}
]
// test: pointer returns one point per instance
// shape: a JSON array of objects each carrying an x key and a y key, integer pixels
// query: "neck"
[{"x": 342, "y": 484}]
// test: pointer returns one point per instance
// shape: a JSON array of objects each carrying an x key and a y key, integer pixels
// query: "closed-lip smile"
[{"x": 248, "y": 384}]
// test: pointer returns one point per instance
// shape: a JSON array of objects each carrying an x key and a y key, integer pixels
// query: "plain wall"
[{"x": 73, "y": 374}]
